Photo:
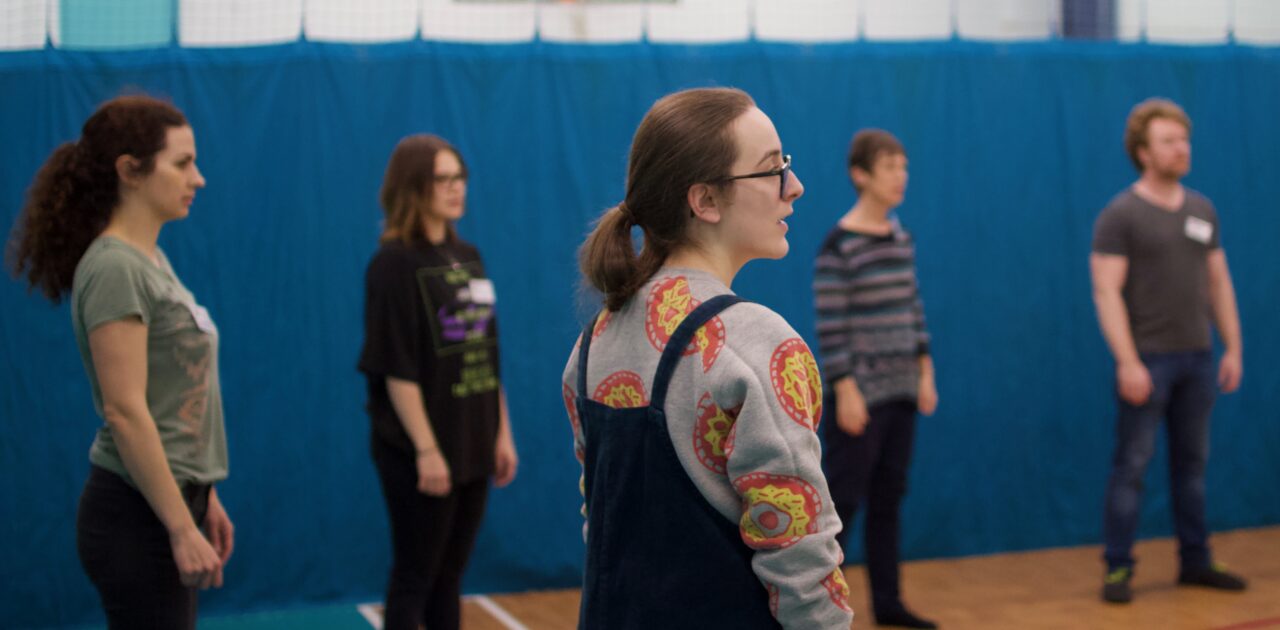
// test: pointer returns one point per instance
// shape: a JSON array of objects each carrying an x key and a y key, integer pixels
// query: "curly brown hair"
[{"x": 76, "y": 191}]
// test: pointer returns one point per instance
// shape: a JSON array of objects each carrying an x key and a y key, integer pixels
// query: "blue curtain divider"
[{"x": 1013, "y": 148}]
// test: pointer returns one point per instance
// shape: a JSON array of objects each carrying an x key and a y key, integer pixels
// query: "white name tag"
[
  {"x": 203, "y": 321},
  {"x": 482, "y": 291},
  {"x": 1199, "y": 230}
]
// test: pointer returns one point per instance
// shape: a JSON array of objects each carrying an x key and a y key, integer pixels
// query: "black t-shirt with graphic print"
[{"x": 429, "y": 318}]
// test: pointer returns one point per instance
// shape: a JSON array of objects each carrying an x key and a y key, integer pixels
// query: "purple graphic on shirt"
[{"x": 464, "y": 322}]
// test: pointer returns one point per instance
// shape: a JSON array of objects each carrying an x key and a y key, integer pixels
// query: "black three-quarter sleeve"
[{"x": 392, "y": 322}]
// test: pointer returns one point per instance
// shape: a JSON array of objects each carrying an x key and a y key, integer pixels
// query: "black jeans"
[
  {"x": 872, "y": 468},
  {"x": 431, "y": 541},
  {"x": 125, "y": 551}
]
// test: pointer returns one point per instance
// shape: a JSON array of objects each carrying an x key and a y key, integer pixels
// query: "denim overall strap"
[
  {"x": 679, "y": 343},
  {"x": 658, "y": 555},
  {"x": 584, "y": 348}
]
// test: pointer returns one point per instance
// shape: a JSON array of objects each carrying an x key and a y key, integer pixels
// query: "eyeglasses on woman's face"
[
  {"x": 780, "y": 172},
  {"x": 449, "y": 180}
]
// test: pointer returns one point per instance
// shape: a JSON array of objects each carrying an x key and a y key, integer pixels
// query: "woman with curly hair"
[{"x": 150, "y": 528}]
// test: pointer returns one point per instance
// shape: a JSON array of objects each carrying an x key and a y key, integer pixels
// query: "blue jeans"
[{"x": 1184, "y": 387}]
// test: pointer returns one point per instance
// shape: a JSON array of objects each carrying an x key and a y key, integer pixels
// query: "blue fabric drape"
[{"x": 1013, "y": 150}]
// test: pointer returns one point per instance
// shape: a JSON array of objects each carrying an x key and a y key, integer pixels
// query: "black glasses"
[
  {"x": 780, "y": 172},
  {"x": 446, "y": 180}
]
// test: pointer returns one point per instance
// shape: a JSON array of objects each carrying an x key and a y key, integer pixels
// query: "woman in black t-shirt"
[{"x": 430, "y": 355}]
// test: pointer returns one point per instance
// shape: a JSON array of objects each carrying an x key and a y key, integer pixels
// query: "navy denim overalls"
[{"x": 659, "y": 556}]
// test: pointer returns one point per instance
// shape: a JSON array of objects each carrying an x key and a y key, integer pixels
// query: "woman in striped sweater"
[{"x": 875, "y": 360}]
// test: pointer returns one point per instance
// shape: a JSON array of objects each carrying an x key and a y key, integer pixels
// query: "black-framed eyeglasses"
[
  {"x": 448, "y": 180},
  {"x": 780, "y": 172}
]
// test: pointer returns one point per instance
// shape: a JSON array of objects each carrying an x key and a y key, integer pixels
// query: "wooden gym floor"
[{"x": 1037, "y": 590}]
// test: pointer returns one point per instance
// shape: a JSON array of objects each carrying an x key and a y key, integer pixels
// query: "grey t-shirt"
[
  {"x": 114, "y": 281},
  {"x": 1166, "y": 289}
]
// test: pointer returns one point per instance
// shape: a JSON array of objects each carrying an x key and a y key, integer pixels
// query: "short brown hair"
[
  {"x": 1140, "y": 117},
  {"x": 868, "y": 145},
  {"x": 409, "y": 185},
  {"x": 686, "y": 138}
]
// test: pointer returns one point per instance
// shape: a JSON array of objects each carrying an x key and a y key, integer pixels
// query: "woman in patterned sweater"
[{"x": 705, "y": 501}]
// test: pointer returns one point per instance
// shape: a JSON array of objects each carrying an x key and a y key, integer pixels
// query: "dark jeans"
[
  {"x": 1184, "y": 387},
  {"x": 125, "y": 551},
  {"x": 431, "y": 540},
  {"x": 872, "y": 468}
]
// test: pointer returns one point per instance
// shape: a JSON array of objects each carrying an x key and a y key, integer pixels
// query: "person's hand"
[
  {"x": 1134, "y": 383},
  {"x": 851, "y": 413},
  {"x": 198, "y": 563},
  {"x": 220, "y": 532},
  {"x": 1230, "y": 370},
  {"x": 505, "y": 461},
  {"x": 433, "y": 473},
  {"x": 927, "y": 396}
]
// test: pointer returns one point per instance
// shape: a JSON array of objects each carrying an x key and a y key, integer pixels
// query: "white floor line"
[
  {"x": 369, "y": 611},
  {"x": 498, "y": 613}
]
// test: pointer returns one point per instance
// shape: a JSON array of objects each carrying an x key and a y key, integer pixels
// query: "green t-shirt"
[{"x": 114, "y": 281}]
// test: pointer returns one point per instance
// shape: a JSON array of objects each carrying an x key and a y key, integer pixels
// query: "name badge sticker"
[
  {"x": 1199, "y": 230},
  {"x": 482, "y": 291},
  {"x": 203, "y": 321}
]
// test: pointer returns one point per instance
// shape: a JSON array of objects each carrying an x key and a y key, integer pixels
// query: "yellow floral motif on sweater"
[
  {"x": 797, "y": 382},
  {"x": 621, "y": 390},
  {"x": 711, "y": 432},
  {"x": 777, "y": 510},
  {"x": 803, "y": 383},
  {"x": 838, "y": 589},
  {"x": 624, "y": 396},
  {"x": 669, "y": 302},
  {"x": 717, "y": 430},
  {"x": 677, "y": 302}
]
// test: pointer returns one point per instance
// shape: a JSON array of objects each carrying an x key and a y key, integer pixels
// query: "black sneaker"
[
  {"x": 1213, "y": 576},
  {"x": 902, "y": 618},
  {"x": 1115, "y": 586}
]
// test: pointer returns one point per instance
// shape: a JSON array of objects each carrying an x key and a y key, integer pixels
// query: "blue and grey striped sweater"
[{"x": 870, "y": 318}]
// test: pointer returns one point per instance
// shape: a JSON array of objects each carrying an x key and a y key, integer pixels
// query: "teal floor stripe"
[{"x": 343, "y": 617}]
